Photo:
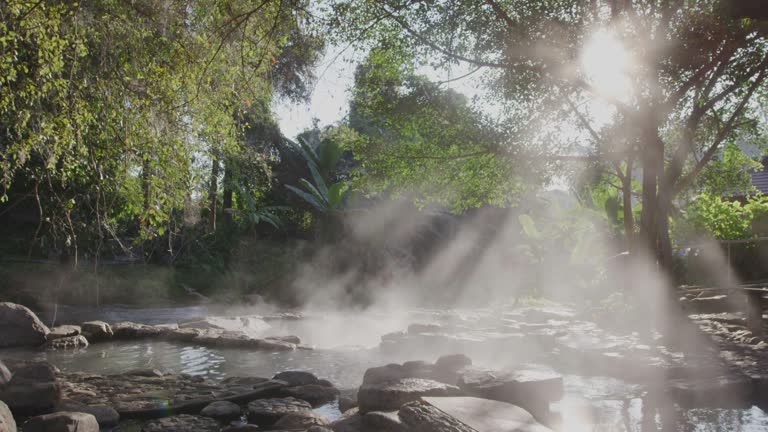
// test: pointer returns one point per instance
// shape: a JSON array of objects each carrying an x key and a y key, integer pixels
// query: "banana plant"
[{"x": 321, "y": 161}]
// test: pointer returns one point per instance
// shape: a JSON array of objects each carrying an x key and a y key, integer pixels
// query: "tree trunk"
[
  {"x": 657, "y": 203},
  {"x": 626, "y": 192},
  {"x": 648, "y": 216},
  {"x": 145, "y": 186},
  {"x": 227, "y": 198},
  {"x": 213, "y": 191}
]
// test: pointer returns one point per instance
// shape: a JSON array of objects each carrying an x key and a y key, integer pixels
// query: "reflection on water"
[
  {"x": 347, "y": 346},
  {"x": 345, "y": 368},
  {"x": 594, "y": 404}
]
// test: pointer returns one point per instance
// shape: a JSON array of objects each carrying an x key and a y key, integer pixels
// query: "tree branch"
[{"x": 722, "y": 133}]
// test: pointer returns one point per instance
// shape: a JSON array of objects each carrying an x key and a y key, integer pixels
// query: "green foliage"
[
  {"x": 416, "y": 137},
  {"x": 320, "y": 158},
  {"x": 729, "y": 174},
  {"x": 720, "y": 218},
  {"x": 113, "y": 111}
]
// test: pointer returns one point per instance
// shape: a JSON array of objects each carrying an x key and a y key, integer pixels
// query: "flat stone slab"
[
  {"x": 485, "y": 415},
  {"x": 516, "y": 387},
  {"x": 391, "y": 395}
]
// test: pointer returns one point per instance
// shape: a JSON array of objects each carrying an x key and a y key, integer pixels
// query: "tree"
[
  {"x": 682, "y": 79},
  {"x": 116, "y": 114},
  {"x": 414, "y": 136}
]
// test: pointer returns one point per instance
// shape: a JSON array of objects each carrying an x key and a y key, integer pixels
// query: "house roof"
[{"x": 760, "y": 181}]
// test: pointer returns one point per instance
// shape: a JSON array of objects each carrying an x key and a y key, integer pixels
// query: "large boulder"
[
  {"x": 452, "y": 362},
  {"x": 7, "y": 423},
  {"x": 348, "y": 423},
  {"x": 458, "y": 414},
  {"x": 30, "y": 398},
  {"x": 96, "y": 331},
  {"x": 532, "y": 388},
  {"x": 182, "y": 423},
  {"x": 296, "y": 378},
  {"x": 33, "y": 388},
  {"x": 266, "y": 412},
  {"x": 35, "y": 371},
  {"x": 222, "y": 410},
  {"x": 105, "y": 415},
  {"x": 383, "y": 422},
  {"x": 380, "y": 374},
  {"x": 63, "y": 421},
  {"x": 423, "y": 417},
  {"x": 315, "y": 394},
  {"x": 391, "y": 395},
  {"x": 301, "y": 420},
  {"x": 21, "y": 327}
]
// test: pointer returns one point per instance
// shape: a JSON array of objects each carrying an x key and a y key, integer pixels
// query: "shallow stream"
[{"x": 346, "y": 345}]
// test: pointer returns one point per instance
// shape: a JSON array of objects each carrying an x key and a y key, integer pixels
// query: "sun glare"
[{"x": 604, "y": 61}]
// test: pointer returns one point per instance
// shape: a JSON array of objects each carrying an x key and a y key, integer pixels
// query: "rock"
[
  {"x": 265, "y": 412},
  {"x": 31, "y": 398},
  {"x": 105, "y": 415},
  {"x": 301, "y": 420},
  {"x": 318, "y": 429},
  {"x": 7, "y": 423},
  {"x": 63, "y": 421},
  {"x": 221, "y": 410},
  {"x": 182, "y": 423},
  {"x": 383, "y": 422},
  {"x": 380, "y": 374},
  {"x": 532, "y": 389},
  {"x": 34, "y": 372},
  {"x": 96, "y": 331},
  {"x": 352, "y": 423},
  {"x": 480, "y": 415},
  {"x": 391, "y": 395},
  {"x": 243, "y": 428},
  {"x": 226, "y": 338},
  {"x": 251, "y": 325},
  {"x": 290, "y": 339},
  {"x": 346, "y": 404},
  {"x": 5, "y": 375},
  {"x": 32, "y": 389},
  {"x": 130, "y": 330},
  {"x": 315, "y": 394},
  {"x": 423, "y": 417},
  {"x": 21, "y": 327},
  {"x": 452, "y": 363},
  {"x": 149, "y": 373},
  {"x": 150, "y": 394},
  {"x": 325, "y": 383},
  {"x": 275, "y": 345},
  {"x": 244, "y": 381},
  {"x": 296, "y": 378},
  {"x": 416, "y": 365},
  {"x": 68, "y": 342},
  {"x": 63, "y": 331}
]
